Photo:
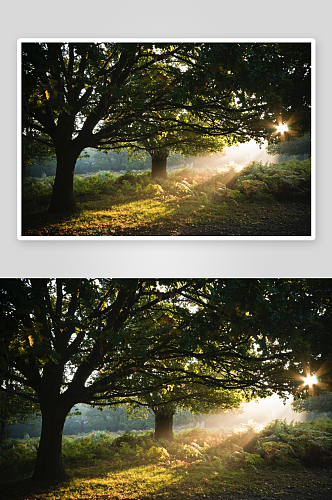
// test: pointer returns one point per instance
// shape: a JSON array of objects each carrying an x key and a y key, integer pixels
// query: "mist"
[
  {"x": 244, "y": 153},
  {"x": 259, "y": 412},
  {"x": 235, "y": 156}
]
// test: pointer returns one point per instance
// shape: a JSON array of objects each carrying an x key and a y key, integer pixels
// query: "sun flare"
[
  {"x": 310, "y": 380},
  {"x": 282, "y": 128}
]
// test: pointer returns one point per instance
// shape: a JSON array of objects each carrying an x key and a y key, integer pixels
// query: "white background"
[{"x": 160, "y": 19}]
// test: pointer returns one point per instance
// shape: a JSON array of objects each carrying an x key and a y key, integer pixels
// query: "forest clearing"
[
  {"x": 281, "y": 461},
  {"x": 259, "y": 200}
]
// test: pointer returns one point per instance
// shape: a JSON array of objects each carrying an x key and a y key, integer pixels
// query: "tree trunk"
[
  {"x": 62, "y": 195},
  {"x": 2, "y": 431},
  {"x": 163, "y": 424},
  {"x": 48, "y": 465},
  {"x": 159, "y": 163},
  {"x": 25, "y": 171}
]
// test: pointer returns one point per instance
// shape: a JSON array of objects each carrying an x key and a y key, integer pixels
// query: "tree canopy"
[
  {"x": 179, "y": 394},
  {"x": 79, "y": 95},
  {"x": 187, "y": 142}
]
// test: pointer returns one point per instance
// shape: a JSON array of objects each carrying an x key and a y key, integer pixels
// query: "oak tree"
[
  {"x": 196, "y": 397},
  {"x": 186, "y": 142}
]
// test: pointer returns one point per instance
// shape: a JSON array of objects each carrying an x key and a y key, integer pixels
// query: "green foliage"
[
  {"x": 279, "y": 442},
  {"x": 194, "y": 445},
  {"x": 157, "y": 453},
  {"x": 275, "y": 451},
  {"x": 294, "y": 147},
  {"x": 211, "y": 454},
  {"x": 17, "y": 456},
  {"x": 289, "y": 180},
  {"x": 90, "y": 446},
  {"x": 309, "y": 443},
  {"x": 284, "y": 181},
  {"x": 316, "y": 404},
  {"x": 36, "y": 193}
]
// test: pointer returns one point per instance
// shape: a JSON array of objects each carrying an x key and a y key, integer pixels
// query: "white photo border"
[{"x": 312, "y": 41}]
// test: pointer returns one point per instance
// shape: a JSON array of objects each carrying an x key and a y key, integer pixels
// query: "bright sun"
[
  {"x": 281, "y": 128},
  {"x": 310, "y": 380}
]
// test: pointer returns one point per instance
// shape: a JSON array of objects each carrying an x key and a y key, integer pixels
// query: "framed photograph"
[{"x": 166, "y": 139}]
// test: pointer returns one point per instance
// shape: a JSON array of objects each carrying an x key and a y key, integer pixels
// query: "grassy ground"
[
  {"x": 197, "y": 464},
  {"x": 101, "y": 480},
  {"x": 187, "y": 203}
]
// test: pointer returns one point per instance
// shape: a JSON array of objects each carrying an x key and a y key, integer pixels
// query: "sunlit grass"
[
  {"x": 149, "y": 481},
  {"x": 99, "y": 481}
]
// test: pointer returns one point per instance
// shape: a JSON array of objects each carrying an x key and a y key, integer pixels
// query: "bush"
[
  {"x": 157, "y": 452},
  {"x": 17, "y": 456},
  {"x": 275, "y": 451},
  {"x": 153, "y": 190},
  {"x": 93, "y": 445},
  {"x": 290, "y": 180},
  {"x": 36, "y": 193},
  {"x": 310, "y": 442}
]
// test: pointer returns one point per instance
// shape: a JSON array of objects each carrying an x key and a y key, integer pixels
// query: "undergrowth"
[
  {"x": 307, "y": 443},
  {"x": 283, "y": 181},
  {"x": 280, "y": 460},
  {"x": 290, "y": 180}
]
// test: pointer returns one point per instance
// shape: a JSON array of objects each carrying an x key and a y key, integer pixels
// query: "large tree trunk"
[
  {"x": 62, "y": 195},
  {"x": 159, "y": 163},
  {"x": 163, "y": 423},
  {"x": 48, "y": 465}
]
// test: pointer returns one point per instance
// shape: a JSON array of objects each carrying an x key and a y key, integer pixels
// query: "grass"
[
  {"x": 133, "y": 204},
  {"x": 197, "y": 463}
]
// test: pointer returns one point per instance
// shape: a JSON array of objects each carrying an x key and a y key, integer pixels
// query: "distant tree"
[
  {"x": 195, "y": 397},
  {"x": 35, "y": 153},
  {"x": 110, "y": 419},
  {"x": 189, "y": 143},
  {"x": 316, "y": 404},
  {"x": 298, "y": 146},
  {"x": 14, "y": 408}
]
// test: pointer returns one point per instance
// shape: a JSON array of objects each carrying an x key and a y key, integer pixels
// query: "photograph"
[
  {"x": 166, "y": 139},
  {"x": 137, "y": 388},
  {"x": 165, "y": 270}
]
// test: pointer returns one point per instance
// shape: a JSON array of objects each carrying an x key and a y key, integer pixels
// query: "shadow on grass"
[
  {"x": 102, "y": 481},
  {"x": 79, "y": 474},
  {"x": 182, "y": 217},
  {"x": 26, "y": 489}
]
